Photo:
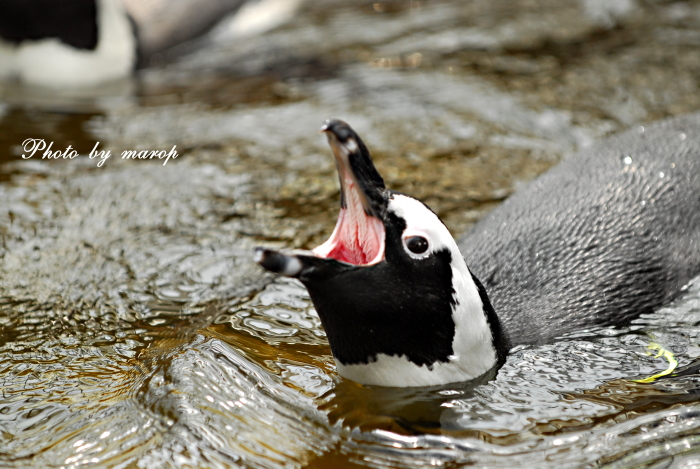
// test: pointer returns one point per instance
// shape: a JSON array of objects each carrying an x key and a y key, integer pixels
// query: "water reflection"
[{"x": 404, "y": 411}]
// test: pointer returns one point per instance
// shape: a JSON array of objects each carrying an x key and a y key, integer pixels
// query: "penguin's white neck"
[{"x": 474, "y": 352}]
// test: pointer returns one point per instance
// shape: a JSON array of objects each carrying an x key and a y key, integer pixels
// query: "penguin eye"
[{"x": 417, "y": 244}]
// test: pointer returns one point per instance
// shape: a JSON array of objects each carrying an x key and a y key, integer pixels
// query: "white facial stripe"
[
  {"x": 351, "y": 145},
  {"x": 421, "y": 221}
]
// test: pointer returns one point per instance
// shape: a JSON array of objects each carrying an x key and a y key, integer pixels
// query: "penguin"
[
  {"x": 65, "y": 43},
  {"x": 77, "y": 43},
  {"x": 610, "y": 233}
]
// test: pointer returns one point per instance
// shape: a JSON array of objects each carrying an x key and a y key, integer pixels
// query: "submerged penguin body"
[
  {"x": 611, "y": 233},
  {"x": 78, "y": 43}
]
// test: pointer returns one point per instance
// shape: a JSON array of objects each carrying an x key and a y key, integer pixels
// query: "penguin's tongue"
[{"x": 358, "y": 238}]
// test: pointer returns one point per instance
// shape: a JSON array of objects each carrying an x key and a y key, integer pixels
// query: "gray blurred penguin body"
[
  {"x": 77, "y": 43},
  {"x": 610, "y": 233}
]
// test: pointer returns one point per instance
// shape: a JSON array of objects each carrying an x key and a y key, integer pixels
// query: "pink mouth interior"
[{"x": 357, "y": 238}]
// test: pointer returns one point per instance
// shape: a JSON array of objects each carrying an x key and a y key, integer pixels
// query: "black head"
[{"x": 390, "y": 281}]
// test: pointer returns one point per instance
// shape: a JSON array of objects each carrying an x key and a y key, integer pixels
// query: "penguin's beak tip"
[
  {"x": 259, "y": 254},
  {"x": 278, "y": 262},
  {"x": 337, "y": 128},
  {"x": 267, "y": 258}
]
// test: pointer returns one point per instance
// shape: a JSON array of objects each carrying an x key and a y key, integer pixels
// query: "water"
[
  {"x": 258, "y": 385},
  {"x": 135, "y": 330}
]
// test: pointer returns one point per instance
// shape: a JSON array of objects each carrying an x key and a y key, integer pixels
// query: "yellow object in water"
[{"x": 668, "y": 355}]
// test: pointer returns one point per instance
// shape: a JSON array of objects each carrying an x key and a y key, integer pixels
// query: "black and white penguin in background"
[
  {"x": 609, "y": 234},
  {"x": 74, "y": 43},
  {"x": 65, "y": 43}
]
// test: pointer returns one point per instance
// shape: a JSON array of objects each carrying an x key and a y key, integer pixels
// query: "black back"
[
  {"x": 595, "y": 240},
  {"x": 73, "y": 22}
]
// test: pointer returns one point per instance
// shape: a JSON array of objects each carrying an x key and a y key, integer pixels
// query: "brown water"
[{"x": 135, "y": 330}]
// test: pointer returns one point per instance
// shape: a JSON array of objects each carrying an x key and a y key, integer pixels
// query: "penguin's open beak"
[{"x": 358, "y": 237}]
